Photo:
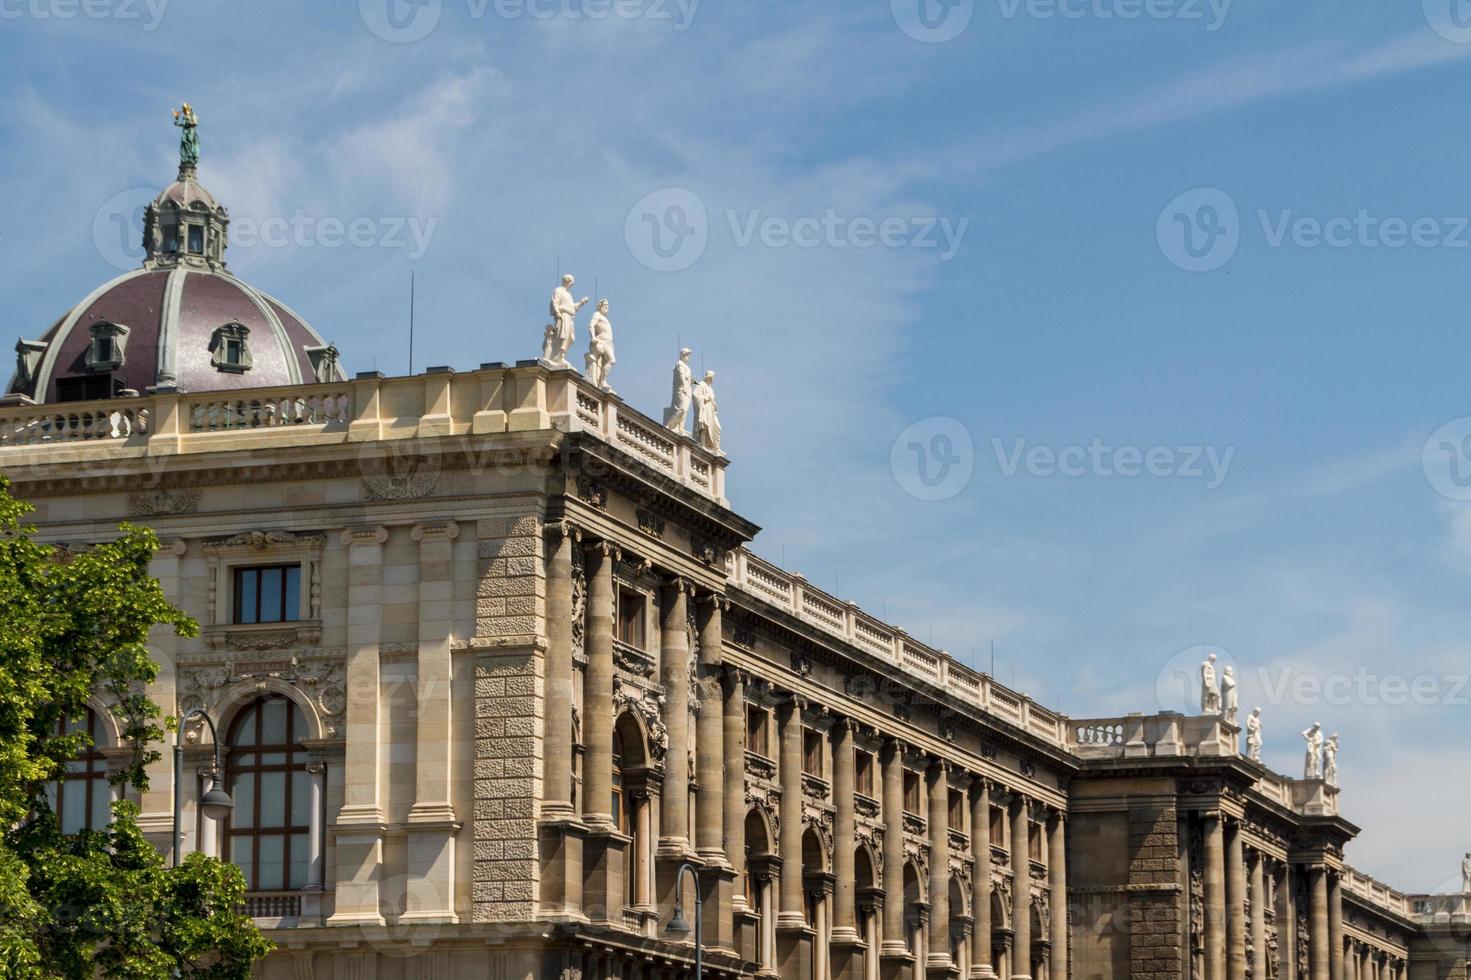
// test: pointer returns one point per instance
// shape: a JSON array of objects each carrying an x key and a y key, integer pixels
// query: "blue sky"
[{"x": 1034, "y": 297}]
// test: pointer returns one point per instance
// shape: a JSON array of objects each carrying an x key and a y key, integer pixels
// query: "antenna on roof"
[
  {"x": 993, "y": 657},
  {"x": 411, "y": 323}
]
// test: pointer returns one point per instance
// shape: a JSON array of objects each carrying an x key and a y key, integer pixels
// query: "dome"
[{"x": 181, "y": 322}]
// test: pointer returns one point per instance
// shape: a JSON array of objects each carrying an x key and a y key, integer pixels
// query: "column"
[
  {"x": 360, "y": 822},
  {"x": 845, "y": 919},
  {"x": 1287, "y": 924},
  {"x": 718, "y": 879},
  {"x": 735, "y": 774},
  {"x": 1318, "y": 933},
  {"x": 1021, "y": 890},
  {"x": 790, "y": 720},
  {"x": 939, "y": 828},
  {"x": 1057, "y": 892},
  {"x": 980, "y": 845},
  {"x": 431, "y": 820},
  {"x": 1259, "y": 915},
  {"x": 893, "y": 943},
  {"x": 1235, "y": 903},
  {"x": 1335, "y": 925},
  {"x": 316, "y": 880},
  {"x": 674, "y": 657},
  {"x": 1215, "y": 896},
  {"x": 597, "y": 725},
  {"x": 559, "y": 676}
]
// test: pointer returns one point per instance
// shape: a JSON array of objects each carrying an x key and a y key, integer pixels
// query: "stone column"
[
  {"x": 1287, "y": 924},
  {"x": 1235, "y": 903},
  {"x": 1215, "y": 896},
  {"x": 1335, "y": 925},
  {"x": 893, "y": 944},
  {"x": 1021, "y": 890},
  {"x": 718, "y": 878},
  {"x": 845, "y": 918},
  {"x": 432, "y": 824},
  {"x": 560, "y": 672},
  {"x": 316, "y": 880},
  {"x": 980, "y": 845},
  {"x": 790, "y": 721},
  {"x": 735, "y": 778},
  {"x": 1057, "y": 893},
  {"x": 674, "y": 657},
  {"x": 597, "y": 725},
  {"x": 1258, "y": 937},
  {"x": 939, "y": 828},
  {"x": 360, "y": 822},
  {"x": 1318, "y": 932}
]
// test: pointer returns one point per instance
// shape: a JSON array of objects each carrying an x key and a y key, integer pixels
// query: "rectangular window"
[
  {"x": 812, "y": 753},
  {"x": 268, "y": 594},
  {"x": 756, "y": 731},
  {"x": 233, "y": 351},
  {"x": 912, "y": 793},
  {"x": 957, "y": 811},
  {"x": 1034, "y": 841},
  {"x": 863, "y": 773},
  {"x": 998, "y": 826},
  {"x": 196, "y": 239},
  {"x": 631, "y": 618}
]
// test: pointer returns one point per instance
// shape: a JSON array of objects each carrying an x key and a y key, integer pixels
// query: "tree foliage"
[{"x": 97, "y": 902}]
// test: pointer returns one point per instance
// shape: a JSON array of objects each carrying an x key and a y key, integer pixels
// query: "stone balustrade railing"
[
  {"x": 493, "y": 399},
  {"x": 1144, "y": 736},
  {"x": 845, "y": 621},
  {"x": 1440, "y": 909},
  {"x": 1376, "y": 893}
]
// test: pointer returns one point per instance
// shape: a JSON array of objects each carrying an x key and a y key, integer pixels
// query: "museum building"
[{"x": 501, "y": 691}]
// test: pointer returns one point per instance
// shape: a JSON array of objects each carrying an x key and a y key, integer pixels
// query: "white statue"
[
  {"x": 600, "y": 359},
  {"x": 1314, "y": 737},
  {"x": 679, "y": 405},
  {"x": 1210, "y": 694},
  {"x": 1330, "y": 760},
  {"x": 1466, "y": 875},
  {"x": 707, "y": 417},
  {"x": 1228, "y": 695},
  {"x": 562, "y": 331},
  {"x": 1254, "y": 735}
]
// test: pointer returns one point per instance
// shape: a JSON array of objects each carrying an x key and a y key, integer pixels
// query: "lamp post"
[
  {"x": 677, "y": 925},
  {"x": 215, "y": 802}
]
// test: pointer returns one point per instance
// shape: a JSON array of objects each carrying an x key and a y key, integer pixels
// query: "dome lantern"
[{"x": 185, "y": 225}]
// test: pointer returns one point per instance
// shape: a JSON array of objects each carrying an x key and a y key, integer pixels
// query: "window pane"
[
  {"x": 246, "y": 585},
  {"x": 273, "y": 758},
  {"x": 293, "y": 593},
  {"x": 243, "y": 792},
  {"x": 299, "y": 861},
  {"x": 241, "y": 849},
  {"x": 74, "y": 807},
  {"x": 273, "y": 799},
  {"x": 270, "y": 595},
  {"x": 301, "y": 798},
  {"x": 101, "y": 805},
  {"x": 272, "y": 864},
  {"x": 273, "y": 722}
]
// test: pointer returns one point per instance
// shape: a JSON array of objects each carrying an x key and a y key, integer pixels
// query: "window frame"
[
  {"x": 812, "y": 753},
  {"x": 631, "y": 627},
  {"x": 93, "y": 772},
  {"x": 913, "y": 793},
  {"x": 296, "y": 760},
  {"x": 758, "y": 730},
  {"x": 237, "y": 572},
  {"x": 863, "y": 773}
]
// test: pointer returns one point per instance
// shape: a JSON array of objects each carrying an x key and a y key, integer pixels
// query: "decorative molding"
[
  {"x": 707, "y": 551},
  {"x": 592, "y": 493},
  {"x": 651, "y": 523},
  {"x": 163, "y": 503}
]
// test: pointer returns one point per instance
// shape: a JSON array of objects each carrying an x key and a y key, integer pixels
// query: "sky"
[{"x": 1100, "y": 334}]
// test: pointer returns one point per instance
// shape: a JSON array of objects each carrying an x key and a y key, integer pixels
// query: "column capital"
[
  {"x": 365, "y": 534},
  {"x": 602, "y": 549},
  {"x": 675, "y": 583},
  {"x": 444, "y": 529},
  {"x": 940, "y": 765},
  {"x": 563, "y": 529},
  {"x": 718, "y": 600}
]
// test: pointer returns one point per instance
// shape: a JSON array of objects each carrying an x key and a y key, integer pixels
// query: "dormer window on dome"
[
  {"x": 229, "y": 348},
  {"x": 107, "y": 348}
]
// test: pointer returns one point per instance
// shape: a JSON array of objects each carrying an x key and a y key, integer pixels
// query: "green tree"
[{"x": 97, "y": 902}]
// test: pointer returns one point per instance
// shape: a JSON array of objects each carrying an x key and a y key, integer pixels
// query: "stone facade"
[{"x": 540, "y": 673}]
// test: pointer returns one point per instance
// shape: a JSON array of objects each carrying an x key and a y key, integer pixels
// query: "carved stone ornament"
[
  {"x": 649, "y": 706},
  {"x": 162, "y": 503},
  {"x": 651, "y": 523},
  {"x": 579, "y": 607},
  {"x": 592, "y": 493},
  {"x": 707, "y": 551},
  {"x": 322, "y": 682}
]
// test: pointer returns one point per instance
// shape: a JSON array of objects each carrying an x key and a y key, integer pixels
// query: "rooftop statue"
[
  {"x": 562, "y": 331},
  {"x": 1466, "y": 875},
  {"x": 189, "y": 138},
  {"x": 1254, "y": 735},
  {"x": 1314, "y": 753},
  {"x": 707, "y": 416},
  {"x": 679, "y": 404},
  {"x": 1330, "y": 760},
  {"x": 1229, "y": 696},
  {"x": 600, "y": 359},
  {"x": 1210, "y": 694}
]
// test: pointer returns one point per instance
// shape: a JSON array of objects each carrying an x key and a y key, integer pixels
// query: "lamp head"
[{"x": 215, "y": 802}]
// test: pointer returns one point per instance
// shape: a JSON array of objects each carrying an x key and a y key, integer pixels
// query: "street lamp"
[
  {"x": 677, "y": 925},
  {"x": 215, "y": 803}
]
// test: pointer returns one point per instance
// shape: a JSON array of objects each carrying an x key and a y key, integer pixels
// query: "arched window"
[
  {"x": 760, "y": 887},
  {"x": 865, "y": 886},
  {"x": 81, "y": 798},
  {"x": 629, "y": 807},
  {"x": 268, "y": 835}
]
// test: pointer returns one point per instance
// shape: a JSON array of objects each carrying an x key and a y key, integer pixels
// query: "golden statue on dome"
[{"x": 189, "y": 139}]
